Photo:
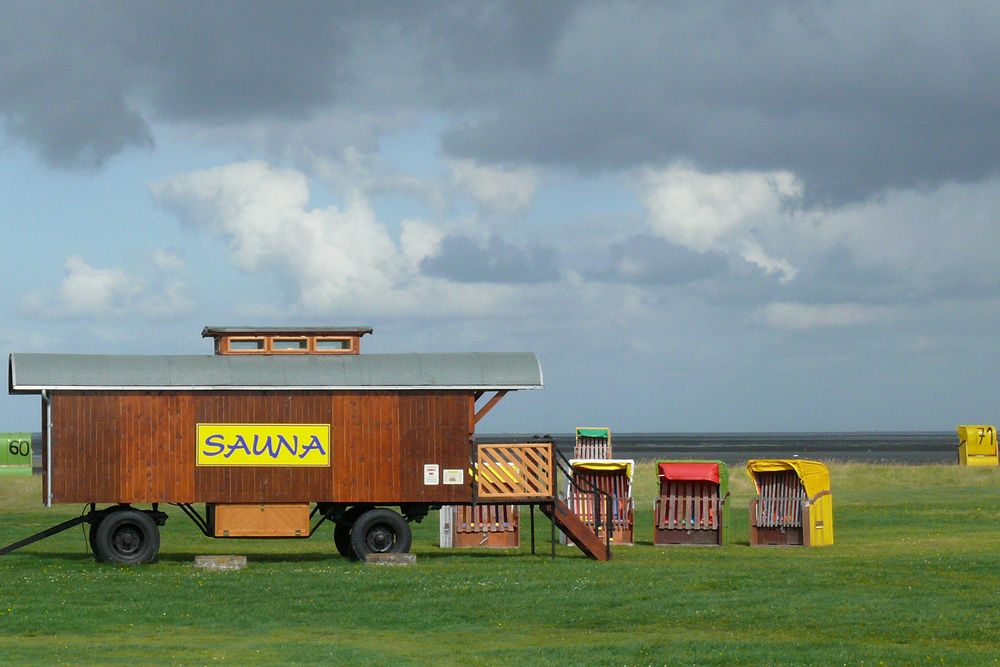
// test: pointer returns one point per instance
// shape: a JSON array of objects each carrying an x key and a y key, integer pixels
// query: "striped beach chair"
[
  {"x": 793, "y": 505},
  {"x": 592, "y": 442},
  {"x": 691, "y": 507},
  {"x": 613, "y": 477}
]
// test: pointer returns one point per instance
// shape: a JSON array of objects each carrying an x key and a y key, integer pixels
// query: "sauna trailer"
[{"x": 278, "y": 431}]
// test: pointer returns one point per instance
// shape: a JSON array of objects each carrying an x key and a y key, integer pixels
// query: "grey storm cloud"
[
  {"x": 836, "y": 276},
  {"x": 650, "y": 260},
  {"x": 236, "y": 60},
  {"x": 856, "y": 98},
  {"x": 463, "y": 259},
  {"x": 63, "y": 84}
]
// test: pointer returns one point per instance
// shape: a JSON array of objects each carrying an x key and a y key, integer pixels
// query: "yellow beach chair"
[{"x": 793, "y": 505}]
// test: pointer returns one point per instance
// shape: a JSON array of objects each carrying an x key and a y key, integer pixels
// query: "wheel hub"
[
  {"x": 127, "y": 540},
  {"x": 380, "y": 539}
]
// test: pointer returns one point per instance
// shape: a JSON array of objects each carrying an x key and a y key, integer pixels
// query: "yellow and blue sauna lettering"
[{"x": 263, "y": 444}]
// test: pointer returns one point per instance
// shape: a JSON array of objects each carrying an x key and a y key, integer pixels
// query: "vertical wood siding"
[{"x": 139, "y": 447}]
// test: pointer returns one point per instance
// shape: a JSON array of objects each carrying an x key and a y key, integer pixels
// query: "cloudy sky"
[{"x": 721, "y": 216}]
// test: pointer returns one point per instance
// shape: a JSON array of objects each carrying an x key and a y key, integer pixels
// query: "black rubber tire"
[
  {"x": 92, "y": 539},
  {"x": 127, "y": 537},
  {"x": 342, "y": 531},
  {"x": 380, "y": 531},
  {"x": 342, "y": 540}
]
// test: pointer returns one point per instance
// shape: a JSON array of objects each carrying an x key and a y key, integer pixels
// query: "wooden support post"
[
  {"x": 489, "y": 405},
  {"x": 532, "y": 529},
  {"x": 553, "y": 517}
]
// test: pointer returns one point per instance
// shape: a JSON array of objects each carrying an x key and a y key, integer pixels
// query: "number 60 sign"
[{"x": 15, "y": 449}]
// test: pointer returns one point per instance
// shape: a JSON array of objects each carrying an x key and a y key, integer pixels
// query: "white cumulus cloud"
[
  {"x": 731, "y": 211},
  {"x": 337, "y": 258},
  {"x": 501, "y": 190},
  {"x": 90, "y": 292},
  {"x": 167, "y": 260}
]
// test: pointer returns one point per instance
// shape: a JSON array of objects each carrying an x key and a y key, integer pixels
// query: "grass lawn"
[{"x": 913, "y": 579}]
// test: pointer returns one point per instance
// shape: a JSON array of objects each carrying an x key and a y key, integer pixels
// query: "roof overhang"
[{"x": 489, "y": 371}]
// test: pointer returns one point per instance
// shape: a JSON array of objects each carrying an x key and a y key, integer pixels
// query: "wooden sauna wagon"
[{"x": 281, "y": 428}]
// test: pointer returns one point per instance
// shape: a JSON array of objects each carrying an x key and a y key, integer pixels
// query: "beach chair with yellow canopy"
[
  {"x": 691, "y": 508},
  {"x": 977, "y": 446},
  {"x": 613, "y": 477},
  {"x": 793, "y": 505}
]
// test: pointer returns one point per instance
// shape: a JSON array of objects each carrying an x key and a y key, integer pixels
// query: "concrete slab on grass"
[
  {"x": 220, "y": 562},
  {"x": 391, "y": 559}
]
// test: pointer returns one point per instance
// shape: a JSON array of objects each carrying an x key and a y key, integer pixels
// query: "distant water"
[{"x": 875, "y": 447}]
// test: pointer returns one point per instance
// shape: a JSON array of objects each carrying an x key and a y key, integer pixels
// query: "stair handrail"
[{"x": 564, "y": 466}]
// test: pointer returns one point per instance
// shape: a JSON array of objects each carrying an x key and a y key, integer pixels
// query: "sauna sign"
[{"x": 263, "y": 444}]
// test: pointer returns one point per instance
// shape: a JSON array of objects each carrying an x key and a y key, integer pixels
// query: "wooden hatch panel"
[{"x": 272, "y": 520}]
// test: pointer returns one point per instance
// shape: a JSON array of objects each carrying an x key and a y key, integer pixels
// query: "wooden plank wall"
[{"x": 139, "y": 447}]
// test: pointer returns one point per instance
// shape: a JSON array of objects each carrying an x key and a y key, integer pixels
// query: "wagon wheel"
[
  {"x": 92, "y": 538},
  {"x": 127, "y": 536},
  {"x": 342, "y": 540},
  {"x": 380, "y": 531},
  {"x": 342, "y": 531}
]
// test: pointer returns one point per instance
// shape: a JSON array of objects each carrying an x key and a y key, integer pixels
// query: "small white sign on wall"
[
  {"x": 453, "y": 476},
  {"x": 432, "y": 474}
]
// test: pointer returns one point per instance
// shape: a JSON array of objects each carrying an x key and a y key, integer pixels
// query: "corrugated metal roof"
[{"x": 31, "y": 373}]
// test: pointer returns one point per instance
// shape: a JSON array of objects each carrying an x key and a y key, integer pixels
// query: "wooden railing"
[{"x": 515, "y": 471}]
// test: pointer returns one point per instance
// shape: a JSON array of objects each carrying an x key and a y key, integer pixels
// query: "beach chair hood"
[
  {"x": 695, "y": 472},
  {"x": 605, "y": 465}
]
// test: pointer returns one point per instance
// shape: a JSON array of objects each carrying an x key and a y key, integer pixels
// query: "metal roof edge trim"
[
  {"x": 11, "y": 382},
  {"x": 319, "y": 330},
  {"x": 272, "y": 387}
]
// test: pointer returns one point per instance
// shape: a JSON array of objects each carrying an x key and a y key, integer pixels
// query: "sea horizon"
[{"x": 732, "y": 447}]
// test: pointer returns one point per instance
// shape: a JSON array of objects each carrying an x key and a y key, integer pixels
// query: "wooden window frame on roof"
[
  {"x": 352, "y": 346},
  {"x": 229, "y": 340},
  {"x": 224, "y": 344},
  {"x": 305, "y": 349}
]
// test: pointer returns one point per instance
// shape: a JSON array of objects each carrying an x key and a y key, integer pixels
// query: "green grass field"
[{"x": 913, "y": 579}]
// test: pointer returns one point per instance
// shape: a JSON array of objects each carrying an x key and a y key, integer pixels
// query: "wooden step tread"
[{"x": 582, "y": 535}]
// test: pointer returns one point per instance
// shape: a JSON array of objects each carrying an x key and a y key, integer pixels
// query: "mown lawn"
[{"x": 913, "y": 579}]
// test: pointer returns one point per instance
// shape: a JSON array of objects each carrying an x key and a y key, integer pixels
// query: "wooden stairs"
[
  {"x": 525, "y": 473},
  {"x": 582, "y": 535}
]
